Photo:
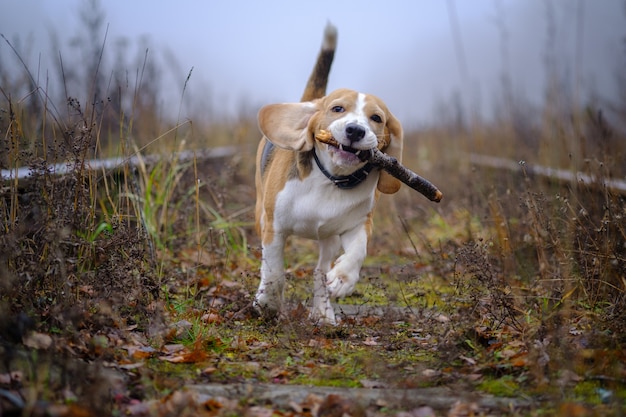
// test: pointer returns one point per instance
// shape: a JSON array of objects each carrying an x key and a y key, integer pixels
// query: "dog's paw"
[
  {"x": 265, "y": 306},
  {"x": 266, "y": 314},
  {"x": 321, "y": 317},
  {"x": 339, "y": 283}
]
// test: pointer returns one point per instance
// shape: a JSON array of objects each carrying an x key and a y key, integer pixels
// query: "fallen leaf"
[
  {"x": 337, "y": 406},
  {"x": 173, "y": 348},
  {"x": 186, "y": 357},
  {"x": 38, "y": 340},
  {"x": 430, "y": 373},
  {"x": 212, "y": 318},
  {"x": 181, "y": 328},
  {"x": 213, "y": 404},
  {"x": 463, "y": 409},
  {"x": 297, "y": 408},
  {"x": 574, "y": 410},
  {"x": 370, "y": 341},
  {"x": 260, "y": 345},
  {"x": 380, "y": 402},
  {"x": 180, "y": 403},
  {"x": 279, "y": 375},
  {"x": 441, "y": 318},
  {"x": 238, "y": 344},
  {"x": 508, "y": 353},
  {"x": 470, "y": 361},
  {"x": 568, "y": 377},
  {"x": 370, "y": 321},
  {"x": 72, "y": 410},
  {"x": 520, "y": 361},
  {"x": 319, "y": 343},
  {"x": 575, "y": 332},
  {"x": 87, "y": 290},
  {"x": 312, "y": 403},
  {"x": 142, "y": 352},
  {"x": 208, "y": 370},
  {"x": 130, "y": 366}
]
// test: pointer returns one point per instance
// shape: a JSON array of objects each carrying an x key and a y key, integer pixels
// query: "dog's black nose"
[{"x": 354, "y": 132}]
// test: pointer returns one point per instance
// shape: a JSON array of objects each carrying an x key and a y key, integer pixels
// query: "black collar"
[{"x": 345, "y": 182}]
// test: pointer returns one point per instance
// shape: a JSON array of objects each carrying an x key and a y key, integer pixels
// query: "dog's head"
[{"x": 355, "y": 120}]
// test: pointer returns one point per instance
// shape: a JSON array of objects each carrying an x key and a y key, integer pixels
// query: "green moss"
[
  {"x": 588, "y": 392},
  {"x": 419, "y": 291},
  {"x": 505, "y": 386}
]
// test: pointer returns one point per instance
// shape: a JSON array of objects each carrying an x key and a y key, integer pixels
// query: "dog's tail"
[{"x": 316, "y": 86}]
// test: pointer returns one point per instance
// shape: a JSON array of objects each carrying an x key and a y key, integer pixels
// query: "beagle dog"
[{"x": 317, "y": 191}]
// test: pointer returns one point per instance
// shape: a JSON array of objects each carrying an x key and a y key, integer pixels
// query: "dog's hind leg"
[{"x": 323, "y": 312}]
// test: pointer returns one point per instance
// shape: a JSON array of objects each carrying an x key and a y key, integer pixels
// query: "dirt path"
[
  {"x": 285, "y": 396},
  {"x": 374, "y": 396}
]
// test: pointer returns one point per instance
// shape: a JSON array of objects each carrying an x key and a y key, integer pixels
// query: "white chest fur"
[{"x": 316, "y": 209}]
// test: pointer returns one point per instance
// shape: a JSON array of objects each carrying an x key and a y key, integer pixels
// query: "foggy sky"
[{"x": 249, "y": 53}]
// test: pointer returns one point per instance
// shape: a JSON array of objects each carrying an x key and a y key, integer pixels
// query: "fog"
[{"x": 416, "y": 55}]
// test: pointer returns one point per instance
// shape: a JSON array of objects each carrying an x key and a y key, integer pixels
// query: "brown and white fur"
[{"x": 295, "y": 197}]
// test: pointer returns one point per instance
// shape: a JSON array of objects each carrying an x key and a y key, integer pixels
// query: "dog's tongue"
[{"x": 348, "y": 156}]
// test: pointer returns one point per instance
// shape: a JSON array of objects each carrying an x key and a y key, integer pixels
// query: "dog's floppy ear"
[
  {"x": 387, "y": 184},
  {"x": 286, "y": 125}
]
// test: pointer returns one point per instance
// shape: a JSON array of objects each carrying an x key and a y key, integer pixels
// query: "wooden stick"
[
  {"x": 392, "y": 166},
  {"x": 410, "y": 178}
]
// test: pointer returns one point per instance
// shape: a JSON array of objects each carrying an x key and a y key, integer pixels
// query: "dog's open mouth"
[
  {"x": 349, "y": 149},
  {"x": 345, "y": 151},
  {"x": 346, "y": 154}
]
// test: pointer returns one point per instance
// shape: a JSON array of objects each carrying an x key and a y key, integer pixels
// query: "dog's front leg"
[
  {"x": 322, "y": 311},
  {"x": 345, "y": 274},
  {"x": 269, "y": 296}
]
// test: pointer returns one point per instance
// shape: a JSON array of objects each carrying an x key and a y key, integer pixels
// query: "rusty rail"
[
  {"x": 616, "y": 186},
  {"x": 562, "y": 175},
  {"x": 119, "y": 162}
]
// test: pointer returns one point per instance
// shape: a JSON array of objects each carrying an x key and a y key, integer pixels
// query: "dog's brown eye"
[
  {"x": 338, "y": 109},
  {"x": 376, "y": 118}
]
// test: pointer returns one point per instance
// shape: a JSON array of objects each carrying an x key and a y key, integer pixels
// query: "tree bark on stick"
[{"x": 399, "y": 171}]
